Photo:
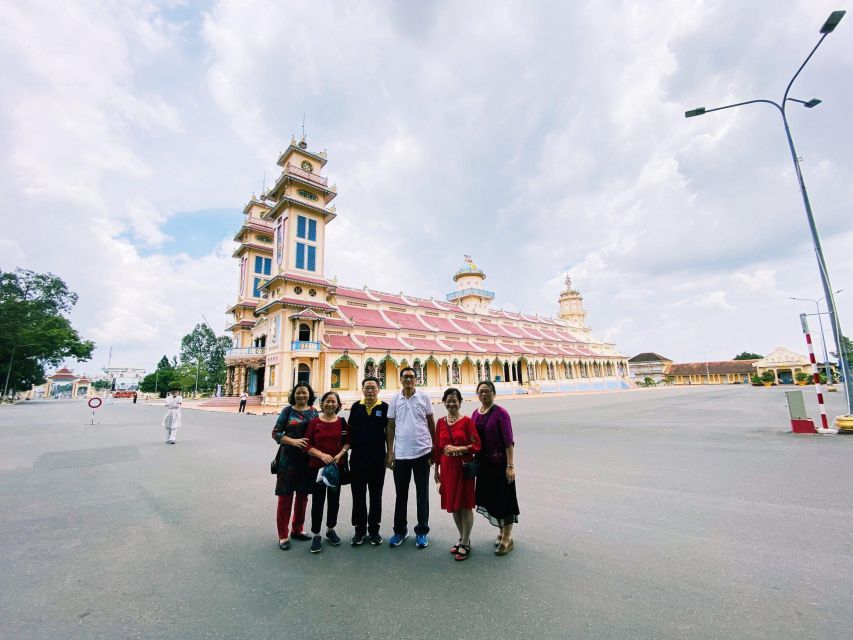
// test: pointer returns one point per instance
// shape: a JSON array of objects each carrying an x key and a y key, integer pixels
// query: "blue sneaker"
[
  {"x": 397, "y": 539},
  {"x": 421, "y": 541},
  {"x": 316, "y": 544}
]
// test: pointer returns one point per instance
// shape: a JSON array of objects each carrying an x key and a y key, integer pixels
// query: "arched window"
[
  {"x": 381, "y": 375},
  {"x": 455, "y": 375},
  {"x": 304, "y": 332},
  {"x": 370, "y": 369},
  {"x": 303, "y": 373},
  {"x": 419, "y": 372}
]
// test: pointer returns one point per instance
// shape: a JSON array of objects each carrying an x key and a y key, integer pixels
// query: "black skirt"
[
  {"x": 495, "y": 497},
  {"x": 296, "y": 477}
]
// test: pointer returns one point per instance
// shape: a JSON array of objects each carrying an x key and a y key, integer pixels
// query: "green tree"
[
  {"x": 202, "y": 349},
  {"x": 746, "y": 355},
  {"x": 161, "y": 380},
  {"x": 34, "y": 327},
  {"x": 100, "y": 385}
]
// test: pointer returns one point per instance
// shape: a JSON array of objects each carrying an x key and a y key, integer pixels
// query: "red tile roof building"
[{"x": 291, "y": 323}]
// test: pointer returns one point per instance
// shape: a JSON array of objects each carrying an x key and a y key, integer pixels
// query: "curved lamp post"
[{"x": 827, "y": 28}]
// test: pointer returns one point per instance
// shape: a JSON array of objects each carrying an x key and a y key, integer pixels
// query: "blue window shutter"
[
  {"x": 312, "y": 230},
  {"x": 267, "y": 266},
  {"x": 259, "y": 264},
  {"x": 300, "y": 255},
  {"x": 256, "y": 291},
  {"x": 300, "y": 226},
  {"x": 312, "y": 258}
]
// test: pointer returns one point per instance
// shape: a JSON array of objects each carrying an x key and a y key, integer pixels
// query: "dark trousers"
[
  {"x": 403, "y": 472},
  {"x": 242, "y": 406},
  {"x": 318, "y": 498},
  {"x": 362, "y": 479}
]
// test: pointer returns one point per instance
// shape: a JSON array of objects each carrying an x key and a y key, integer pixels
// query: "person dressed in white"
[
  {"x": 410, "y": 439},
  {"x": 172, "y": 419}
]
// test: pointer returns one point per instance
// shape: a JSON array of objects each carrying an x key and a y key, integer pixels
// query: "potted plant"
[
  {"x": 802, "y": 378},
  {"x": 756, "y": 380},
  {"x": 768, "y": 378}
]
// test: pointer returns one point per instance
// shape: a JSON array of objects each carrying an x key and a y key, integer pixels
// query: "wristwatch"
[{"x": 510, "y": 466}]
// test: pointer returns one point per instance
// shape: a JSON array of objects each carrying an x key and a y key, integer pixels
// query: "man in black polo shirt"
[{"x": 367, "y": 421}]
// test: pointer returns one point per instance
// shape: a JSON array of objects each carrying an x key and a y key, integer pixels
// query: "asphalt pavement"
[{"x": 688, "y": 513}]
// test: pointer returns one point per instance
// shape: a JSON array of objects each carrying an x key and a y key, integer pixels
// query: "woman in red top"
[
  {"x": 328, "y": 443},
  {"x": 456, "y": 442}
]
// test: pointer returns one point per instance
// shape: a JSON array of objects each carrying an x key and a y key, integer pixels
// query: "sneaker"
[
  {"x": 316, "y": 544},
  {"x": 333, "y": 538},
  {"x": 421, "y": 541},
  {"x": 375, "y": 539},
  {"x": 357, "y": 539},
  {"x": 397, "y": 539},
  {"x": 300, "y": 536}
]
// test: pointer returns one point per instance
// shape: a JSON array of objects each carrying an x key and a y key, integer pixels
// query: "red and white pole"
[{"x": 815, "y": 373}]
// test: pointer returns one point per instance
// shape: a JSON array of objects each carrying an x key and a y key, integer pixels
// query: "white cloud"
[{"x": 541, "y": 139}]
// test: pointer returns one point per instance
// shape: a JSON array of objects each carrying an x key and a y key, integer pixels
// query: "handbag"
[
  {"x": 469, "y": 469},
  {"x": 343, "y": 467},
  {"x": 279, "y": 463}
]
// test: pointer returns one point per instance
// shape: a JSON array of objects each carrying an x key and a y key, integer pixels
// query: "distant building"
[
  {"x": 718, "y": 372},
  {"x": 649, "y": 365},
  {"x": 785, "y": 365},
  {"x": 124, "y": 378},
  {"x": 63, "y": 384},
  {"x": 292, "y": 323}
]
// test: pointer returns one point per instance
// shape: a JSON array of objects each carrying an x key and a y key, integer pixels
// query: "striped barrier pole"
[{"x": 815, "y": 373}]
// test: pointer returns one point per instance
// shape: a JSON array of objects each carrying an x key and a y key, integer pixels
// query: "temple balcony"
[
  {"x": 293, "y": 170},
  {"x": 246, "y": 355},
  {"x": 482, "y": 293},
  {"x": 305, "y": 348}
]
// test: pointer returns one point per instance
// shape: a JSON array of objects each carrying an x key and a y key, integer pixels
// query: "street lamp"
[
  {"x": 827, "y": 28},
  {"x": 11, "y": 359},
  {"x": 822, "y": 337},
  {"x": 707, "y": 371}
]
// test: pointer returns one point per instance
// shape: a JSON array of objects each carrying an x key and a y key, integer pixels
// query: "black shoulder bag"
[{"x": 279, "y": 463}]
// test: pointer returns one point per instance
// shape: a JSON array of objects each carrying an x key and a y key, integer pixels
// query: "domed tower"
[
  {"x": 469, "y": 288},
  {"x": 571, "y": 307}
]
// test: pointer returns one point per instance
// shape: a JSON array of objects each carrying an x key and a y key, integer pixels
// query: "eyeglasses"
[{"x": 408, "y": 377}]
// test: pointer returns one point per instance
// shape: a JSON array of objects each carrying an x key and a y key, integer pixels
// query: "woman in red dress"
[{"x": 456, "y": 442}]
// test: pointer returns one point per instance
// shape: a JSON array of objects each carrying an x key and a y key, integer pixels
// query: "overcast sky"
[{"x": 542, "y": 138}]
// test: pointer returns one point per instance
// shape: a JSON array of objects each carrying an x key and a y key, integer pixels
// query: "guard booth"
[{"x": 800, "y": 421}]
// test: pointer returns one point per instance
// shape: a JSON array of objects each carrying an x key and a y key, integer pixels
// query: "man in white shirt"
[
  {"x": 172, "y": 419},
  {"x": 410, "y": 434},
  {"x": 243, "y": 398}
]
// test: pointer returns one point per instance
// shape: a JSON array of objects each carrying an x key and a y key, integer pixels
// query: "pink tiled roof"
[
  {"x": 366, "y": 317},
  {"x": 390, "y": 298},
  {"x": 492, "y": 348},
  {"x": 341, "y": 342},
  {"x": 299, "y": 302},
  {"x": 407, "y": 320},
  {"x": 551, "y": 335},
  {"x": 494, "y": 329},
  {"x": 422, "y": 344},
  {"x": 356, "y": 294},
  {"x": 303, "y": 278},
  {"x": 459, "y": 345},
  {"x": 442, "y": 324},
  {"x": 336, "y": 322},
  {"x": 386, "y": 343},
  {"x": 465, "y": 325},
  {"x": 531, "y": 332}
]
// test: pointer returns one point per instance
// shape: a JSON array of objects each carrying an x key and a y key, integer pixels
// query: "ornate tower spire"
[
  {"x": 571, "y": 307},
  {"x": 469, "y": 288}
]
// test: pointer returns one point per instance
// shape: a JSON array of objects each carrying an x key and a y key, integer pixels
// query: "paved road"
[{"x": 666, "y": 513}]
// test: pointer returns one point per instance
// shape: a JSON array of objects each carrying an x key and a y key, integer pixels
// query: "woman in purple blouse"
[{"x": 495, "y": 493}]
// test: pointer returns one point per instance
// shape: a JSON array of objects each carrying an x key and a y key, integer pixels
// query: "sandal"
[
  {"x": 460, "y": 556},
  {"x": 455, "y": 548},
  {"x": 498, "y": 541},
  {"x": 504, "y": 548}
]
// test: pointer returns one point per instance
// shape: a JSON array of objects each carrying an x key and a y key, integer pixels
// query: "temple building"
[{"x": 290, "y": 322}]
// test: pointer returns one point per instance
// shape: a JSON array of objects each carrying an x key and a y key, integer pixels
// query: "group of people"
[{"x": 319, "y": 451}]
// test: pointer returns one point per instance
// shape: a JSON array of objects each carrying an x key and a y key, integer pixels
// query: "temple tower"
[
  {"x": 469, "y": 293},
  {"x": 571, "y": 309}
]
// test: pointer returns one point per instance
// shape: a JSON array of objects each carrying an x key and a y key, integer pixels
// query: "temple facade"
[{"x": 290, "y": 322}]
